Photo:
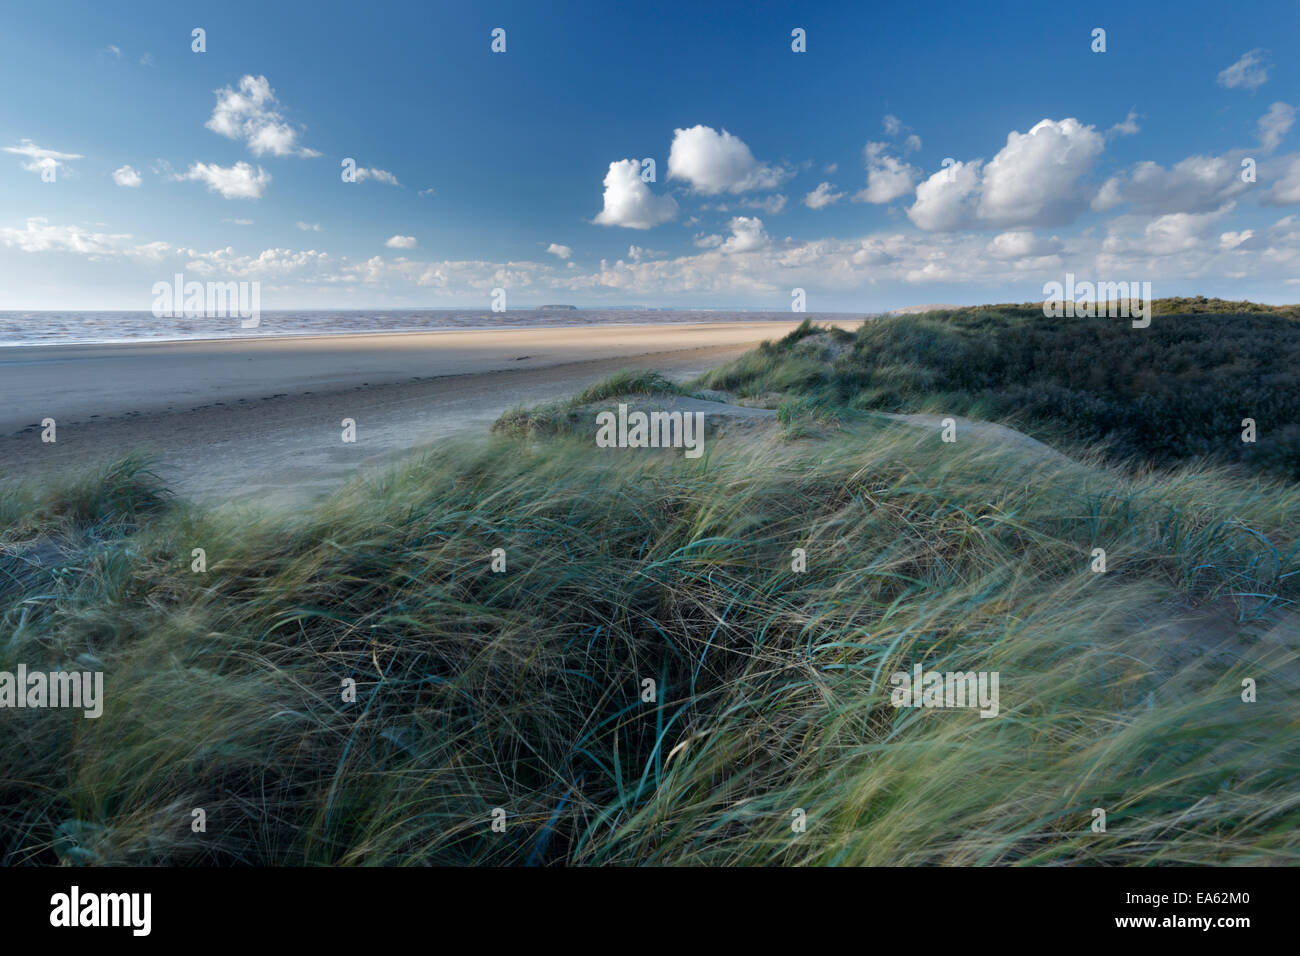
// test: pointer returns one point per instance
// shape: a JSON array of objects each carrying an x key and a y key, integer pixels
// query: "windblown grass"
[
  {"x": 553, "y": 418},
  {"x": 523, "y": 690}
]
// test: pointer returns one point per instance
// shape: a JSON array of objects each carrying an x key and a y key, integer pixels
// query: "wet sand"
[{"x": 261, "y": 420}]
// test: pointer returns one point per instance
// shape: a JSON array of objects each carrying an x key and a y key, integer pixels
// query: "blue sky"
[{"x": 507, "y": 170}]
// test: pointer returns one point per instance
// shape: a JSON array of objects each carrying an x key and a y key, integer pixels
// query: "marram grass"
[{"x": 523, "y": 690}]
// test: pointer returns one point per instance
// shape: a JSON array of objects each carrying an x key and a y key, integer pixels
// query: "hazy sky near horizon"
[{"x": 126, "y": 157}]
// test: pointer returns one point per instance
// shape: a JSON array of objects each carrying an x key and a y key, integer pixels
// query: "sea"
[{"x": 80, "y": 328}]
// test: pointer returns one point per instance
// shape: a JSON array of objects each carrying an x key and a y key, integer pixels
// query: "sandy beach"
[{"x": 261, "y": 419}]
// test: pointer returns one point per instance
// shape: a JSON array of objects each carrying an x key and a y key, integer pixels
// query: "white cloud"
[
  {"x": 629, "y": 202},
  {"x": 239, "y": 222},
  {"x": 240, "y": 181},
  {"x": 41, "y": 159},
  {"x": 1196, "y": 184},
  {"x": 1035, "y": 178},
  {"x": 378, "y": 175},
  {"x": 1167, "y": 235},
  {"x": 1275, "y": 124},
  {"x": 745, "y": 264},
  {"x": 267, "y": 264},
  {"x": 944, "y": 202},
  {"x": 402, "y": 242},
  {"x": 1235, "y": 240},
  {"x": 251, "y": 113},
  {"x": 1286, "y": 189},
  {"x": 894, "y": 126},
  {"x": 772, "y": 205},
  {"x": 426, "y": 192},
  {"x": 126, "y": 176},
  {"x": 714, "y": 162},
  {"x": 308, "y": 226},
  {"x": 556, "y": 249},
  {"x": 821, "y": 197},
  {"x": 1250, "y": 72},
  {"x": 888, "y": 178},
  {"x": 1128, "y": 127},
  {"x": 39, "y": 236},
  {"x": 115, "y": 50},
  {"x": 747, "y": 235},
  {"x": 1022, "y": 244}
]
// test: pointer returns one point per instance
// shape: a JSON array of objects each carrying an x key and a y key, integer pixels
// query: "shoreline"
[
  {"x": 827, "y": 318},
  {"x": 57, "y": 381},
  {"x": 261, "y": 419}
]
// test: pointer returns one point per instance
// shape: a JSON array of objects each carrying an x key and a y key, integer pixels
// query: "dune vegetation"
[
  {"x": 1176, "y": 392},
  {"x": 1161, "y": 691}
]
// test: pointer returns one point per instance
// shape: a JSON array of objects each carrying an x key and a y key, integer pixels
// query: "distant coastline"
[{"x": 71, "y": 327}]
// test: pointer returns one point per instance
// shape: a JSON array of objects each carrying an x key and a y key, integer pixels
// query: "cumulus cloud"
[
  {"x": 772, "y": 205},
  {"x": 1170, "y": 234},
  {"x": 423, "y": 193},
  {"x": 308, "y": 226},
  {"x": 1236, "y": 240},
  {"x": 747, "y": 235},
  {"x": 745, "y": 265},
  {"x": 945, "y": 201},
  {"x": 126, "y": 176},
  {"x": 378, "y": 175},
  {"x": 1022, "y": 244},
  {"x": 562, "y": 252},
  {"x": 40, "y": 159},
  {"x": 240, "y": 181},
  {"x": 1250, "y": 72},
  {"x": 402, "y": 242},
  {"x": 1035, "y": 178},
  {"x": 39, "y": 236},
  {"x": 629, "y": 202},
  {"x": 252, "y": 114},
  {"x": 888, "y": 178},
  {"x": 714, "y": 163},
  {"x": 637, "y": 253},
  {"x": 1285, "y": 191},
  {"x": 1275, "y": 124},
  {"x": 821, "y": 197},
  {"x": 1196, "y": 184}
]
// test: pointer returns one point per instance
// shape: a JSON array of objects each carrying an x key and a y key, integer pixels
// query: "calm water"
[{"x": 58, "y": 328}]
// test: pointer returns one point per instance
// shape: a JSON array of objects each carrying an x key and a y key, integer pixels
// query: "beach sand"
[{"x": 260, "y": 420}]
